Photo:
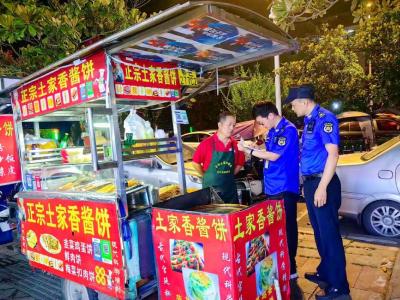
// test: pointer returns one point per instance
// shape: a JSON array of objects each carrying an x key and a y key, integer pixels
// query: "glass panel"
[
  {"x": 355, "y": 126},
  {"x": 388, "y": 125},
  {"x": 191, "y": 138}
]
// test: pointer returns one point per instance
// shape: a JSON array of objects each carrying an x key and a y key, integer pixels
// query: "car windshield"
[
  {"x": 381, "y": 148},
  {"x": 171, "y": 158}
]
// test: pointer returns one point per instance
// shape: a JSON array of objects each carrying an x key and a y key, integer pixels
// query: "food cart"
[{"x": 82, "y": 218}]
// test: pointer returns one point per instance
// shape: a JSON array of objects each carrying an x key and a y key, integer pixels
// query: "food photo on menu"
[
  {"x": 201, "y": 285},
  {"x": 256, "y": 250},
  {"x": 184, "y": 254},
  {"x": 266, "y": 273}
]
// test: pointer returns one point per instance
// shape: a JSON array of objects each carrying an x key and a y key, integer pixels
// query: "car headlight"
[{"x": 195, "y": 179}]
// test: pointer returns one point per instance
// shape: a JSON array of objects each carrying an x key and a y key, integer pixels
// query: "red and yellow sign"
[
  {"x": 67, "y": 86},
  {"x": 141, "y": 79},
  {"x": 241, "y": 255},
  {"x": 76, "y": 240},
  {"x": 10, "y": 170}
]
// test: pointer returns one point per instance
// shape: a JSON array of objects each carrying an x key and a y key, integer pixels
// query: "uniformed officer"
[
  {"x": 281, "y": 173},
  {"x": 218, "y": 159},
  {"x": 322, "y": 190}
]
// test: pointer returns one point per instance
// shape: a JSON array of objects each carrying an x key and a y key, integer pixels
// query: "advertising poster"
[
  {"x": 10, "y": 170},
  {"x": 70, "y": 85},
  {"x": 76, "y": 240},
  {"x": 139, "y": 79},
  {"x": 241, "y": 255}
]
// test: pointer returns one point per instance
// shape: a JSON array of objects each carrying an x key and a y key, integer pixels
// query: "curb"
[{"x": 393, "y": 291}]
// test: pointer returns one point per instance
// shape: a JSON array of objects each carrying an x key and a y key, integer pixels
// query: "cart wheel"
[{"x": 75, "y": 291}]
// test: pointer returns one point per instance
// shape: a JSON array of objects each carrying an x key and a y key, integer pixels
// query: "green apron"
[{"x": 220, "y": 175}]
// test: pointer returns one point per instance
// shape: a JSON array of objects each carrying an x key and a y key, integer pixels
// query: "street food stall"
[{"x": 83, "y": 218}]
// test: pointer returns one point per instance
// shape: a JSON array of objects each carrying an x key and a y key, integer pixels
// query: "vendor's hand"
[
  {"x": 320, "y": 197},
  {"x": 241, "y": 145}
]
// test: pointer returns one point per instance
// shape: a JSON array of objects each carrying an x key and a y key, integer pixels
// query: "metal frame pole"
[
  {"x": 116, "y": 146},
  {"x": 278, "y": 99},
  {"x": 180, "y": 163}
]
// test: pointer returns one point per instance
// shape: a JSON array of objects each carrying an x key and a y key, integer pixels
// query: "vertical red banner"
[
  {"x": 76, "y": 240},
  {"x": 241, "y": 255},
  {"x": 10, "y": 170}
]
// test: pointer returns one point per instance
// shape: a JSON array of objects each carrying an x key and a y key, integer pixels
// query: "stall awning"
[{"x": 201, "y": 36}]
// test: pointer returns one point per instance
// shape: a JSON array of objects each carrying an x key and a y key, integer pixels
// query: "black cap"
[{"x": 305, "y": 91}]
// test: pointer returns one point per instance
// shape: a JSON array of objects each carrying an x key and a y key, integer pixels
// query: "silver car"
[{"x": 371, "y": 188}]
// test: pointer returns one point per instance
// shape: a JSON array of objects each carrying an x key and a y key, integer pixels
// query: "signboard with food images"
[
  {"x": 76, "y": 240},
  {"x": 145, "y": 80},
  {"x": 10, "y": 170},
  {"x": 82, "y": 81},
  {"x": 222, "y": 254}
]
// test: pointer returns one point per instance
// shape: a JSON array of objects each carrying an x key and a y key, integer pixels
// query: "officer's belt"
[{"x": 312, "y": 176}]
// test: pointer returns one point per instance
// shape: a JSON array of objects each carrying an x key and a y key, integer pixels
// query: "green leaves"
[
  {"x": 39, "y": 34},
  {"x": 331, "y": 64},
  {"x": 257, "y": 87}
]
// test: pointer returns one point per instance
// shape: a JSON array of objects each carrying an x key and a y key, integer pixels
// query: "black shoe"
[
  {"x": 295, "y": 291},
  {"x": 316, "y": 278},
  {"x": 333, "y": 294}
]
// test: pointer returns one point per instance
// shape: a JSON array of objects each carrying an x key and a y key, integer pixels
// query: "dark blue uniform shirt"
[
  {"x": 282, "y": 175},
  {"x": 320, "y": 128}
]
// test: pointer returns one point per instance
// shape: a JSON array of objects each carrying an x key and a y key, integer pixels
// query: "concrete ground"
[{"x": 373, "y": 271}]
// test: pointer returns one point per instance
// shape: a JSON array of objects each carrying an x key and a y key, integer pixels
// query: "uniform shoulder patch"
[
  {"x": 282, "y": 141},
  {"x": 328, "y": 127}
]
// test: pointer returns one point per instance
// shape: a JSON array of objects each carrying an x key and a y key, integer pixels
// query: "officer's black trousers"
[
  {"x": 290, "y": 202},
  {"x": 325, "y": 222}
]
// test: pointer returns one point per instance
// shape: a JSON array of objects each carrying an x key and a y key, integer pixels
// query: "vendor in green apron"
[{"x": 218, "y": 159}]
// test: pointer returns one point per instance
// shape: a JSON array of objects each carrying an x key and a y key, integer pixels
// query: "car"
[
  {"x": 360, "y": 132},
  {"x": 371, "y": 188},
  {"x": 356, "y": 131},
  {"x": 193, "y": 139},
  {"x": 161, "y": 170}
]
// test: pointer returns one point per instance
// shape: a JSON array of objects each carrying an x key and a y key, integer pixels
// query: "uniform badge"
[
  {"x": 328, "y": 127},
  {"x": 321, "y": 114},
  {"x": 282, "y": 141}
]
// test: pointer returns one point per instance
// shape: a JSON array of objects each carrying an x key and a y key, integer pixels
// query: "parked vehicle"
[
  {"x": 193, "y": 139},
  {"x": 371, "y": 188},
  {"x": 356, "y": 132},
  {"x": 360, "y": 132}
]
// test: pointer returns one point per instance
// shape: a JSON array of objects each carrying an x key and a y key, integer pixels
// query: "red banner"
[
  {"x": 141, "y": 79},
  {"x": 10, "y": 170},
  {"x": 76, "y": 240},
  {"x": 241, "y": 255},
  {"x": 67, "y": 86}
]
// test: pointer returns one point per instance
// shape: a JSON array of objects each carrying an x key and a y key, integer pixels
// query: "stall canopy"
[{"x": 200, "y": 36}]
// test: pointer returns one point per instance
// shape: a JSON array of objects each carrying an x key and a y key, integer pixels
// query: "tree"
[
  {"x": 285, "y": 13},
  {"x": 33, "y": 34},
  {"x": 242, "y": 96},
  {"x": 378, "y": 38},
  {"x": 332, "y": 66}
]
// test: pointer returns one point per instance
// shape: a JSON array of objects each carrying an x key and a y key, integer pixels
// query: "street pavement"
[{"x": 373, "y": 267}]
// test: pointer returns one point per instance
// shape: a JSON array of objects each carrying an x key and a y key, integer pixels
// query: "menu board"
[
  {"x": 76, "y": 240},
  {"x": 82, "y": 81},
  {"x": 10, "y": 170}
]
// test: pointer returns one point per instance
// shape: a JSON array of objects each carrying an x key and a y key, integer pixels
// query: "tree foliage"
[
  {"x": 378, "y": 38},
  {"x": 330, "y": 63},
  {"x": 285, "y": 13},
  {"x": 33, "y": 34},
  {"x": 257, "y": 87}
]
